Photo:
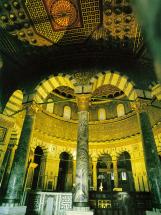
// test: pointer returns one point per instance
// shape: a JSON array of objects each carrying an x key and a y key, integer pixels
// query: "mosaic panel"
[
  {"x": 63, "y": 14},
  {"x": 2, "y": 134},
  {"x": 65, "y": 19},
  {"x": 65, "y": 202},
  {"x": 41, "y": 21}
]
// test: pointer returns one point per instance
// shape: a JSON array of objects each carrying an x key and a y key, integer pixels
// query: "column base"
[
  {"x": 80, "y": 211},
  {"x": 15, "y": 210},
  {"x": 156, "y": 212},
  {"x": 152, "y": 213}
]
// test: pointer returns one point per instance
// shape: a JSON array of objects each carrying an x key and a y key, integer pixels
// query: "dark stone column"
[
  {"x": 152, "y": 161},
  {"x": 1, "y": 66},
  {"x": 5, "y": 165},
  {"x": 82, "y": 160},
  {"x": 16, "y": 181}
]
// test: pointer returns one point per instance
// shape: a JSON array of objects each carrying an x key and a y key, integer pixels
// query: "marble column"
[
  {"x": 56, "y": 172},
  {"x": 115, "y": 171},
  {"x": 152, "y": 161},
  {"x": 74, "y": 171},
  {"x": 94, "y": 163},
  {"x": 82, "y": 159},
  {"x": 6, "y": 165},
  {"x": 16, "y": 181},
  {"x": 1, "y": 66}
]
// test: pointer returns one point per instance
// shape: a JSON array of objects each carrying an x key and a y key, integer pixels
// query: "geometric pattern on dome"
[
  {"x": 120, "y": 24},
  {"x": 63, "y": 13},
  {"x": 45, "y": 22},
  {"x": 68, "y": 19},
  {"x": 108, "y": 91}
]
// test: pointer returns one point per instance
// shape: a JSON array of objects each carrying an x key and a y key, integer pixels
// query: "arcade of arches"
[{"x": 107, "y": 128}]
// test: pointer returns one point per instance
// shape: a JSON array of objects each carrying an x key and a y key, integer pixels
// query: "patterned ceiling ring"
[
  {"x": 114, "y": 79},
  {"x": 14, "y": 103},
  {"x": 64, "y": 13},
  {"x": 47, "y": 86}
]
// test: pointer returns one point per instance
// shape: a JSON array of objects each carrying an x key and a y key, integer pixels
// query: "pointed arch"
[
  {"x": 48, "y": 85},
  {"x": 14, "y": 103}
]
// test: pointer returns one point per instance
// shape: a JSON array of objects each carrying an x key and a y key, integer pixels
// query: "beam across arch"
[
  {"x": 114, "y": 79},
  {"x": 53, "y": 82}
]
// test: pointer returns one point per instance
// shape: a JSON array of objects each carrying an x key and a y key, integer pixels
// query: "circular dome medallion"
[{"x": 63, "y": 13}]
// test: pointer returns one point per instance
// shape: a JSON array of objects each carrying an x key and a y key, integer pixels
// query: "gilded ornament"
[
  {"x": 83, "y": 101},
  {"x": 140, "y": 105}
]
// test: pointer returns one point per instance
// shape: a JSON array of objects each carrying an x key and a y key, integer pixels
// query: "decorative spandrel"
[
  {"x": 32, "y": 108},
  {"x": 140, "y": 105},
  {"x": 2, "y": 134}
]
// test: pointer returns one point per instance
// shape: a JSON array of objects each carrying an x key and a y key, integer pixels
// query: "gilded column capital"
[
  {"x": 32, "y": 108},
  {"x": 94, "y": 159},
  {"x": 140, "y": 105},
  {"x": 83, "y": 101}
]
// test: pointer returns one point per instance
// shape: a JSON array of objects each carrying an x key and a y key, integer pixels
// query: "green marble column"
[
  {"x": 1, "y": 66},
  {"x": 4, "y": 167},
  {"x": 16, "y": 181},
  {"x": 4, "y": 163},
  {"x": 82, "y": 159},
  {"x": 153, "y": 166}
]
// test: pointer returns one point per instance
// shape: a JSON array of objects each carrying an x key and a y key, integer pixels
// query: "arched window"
[
  {"x": 50, "y": 106},
  {"x": 67, "y": 112},
  {"x": 120, "y": 110},
  {"x": 65, "y": 176},
  {"x": 101, "y": 114}
]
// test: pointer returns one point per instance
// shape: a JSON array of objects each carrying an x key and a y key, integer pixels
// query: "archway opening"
[
  {"x": 37, "y": 177},
  {"x": 65, "y": 176},
  {"x": 104, "y": 172},
  {"x": 126, "y": 181}
]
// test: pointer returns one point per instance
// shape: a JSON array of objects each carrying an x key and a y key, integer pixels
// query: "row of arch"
[
  {"x": 48, "y": 85},
  {"x": 105, "y": 172},
  {"x": 120, "y": 109}
]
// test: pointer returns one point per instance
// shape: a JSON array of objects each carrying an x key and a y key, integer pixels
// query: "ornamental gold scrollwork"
[
  {"x": 32, "y": 108},
  {"x": 140, "y": 105},
  {"x": 104, "y": 203}
]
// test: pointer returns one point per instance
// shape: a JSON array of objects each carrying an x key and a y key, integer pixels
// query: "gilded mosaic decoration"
[
  {"x": 2, "y": 134},
  {"x": 63, "y": 14}
]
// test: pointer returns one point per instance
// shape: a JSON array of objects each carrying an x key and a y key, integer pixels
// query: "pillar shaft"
[
  {"x": 95, "y": 175},
  {"x": 74, "y": 171},
  {"x": 152, "y": 161},
  {"x": 16, "y": 181},
  {"x": 56, "y": 172},
  {"x": 115, "y": 171},
  {"x": 5, "y": 163},
  {"x": 82, "y": 160}
]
